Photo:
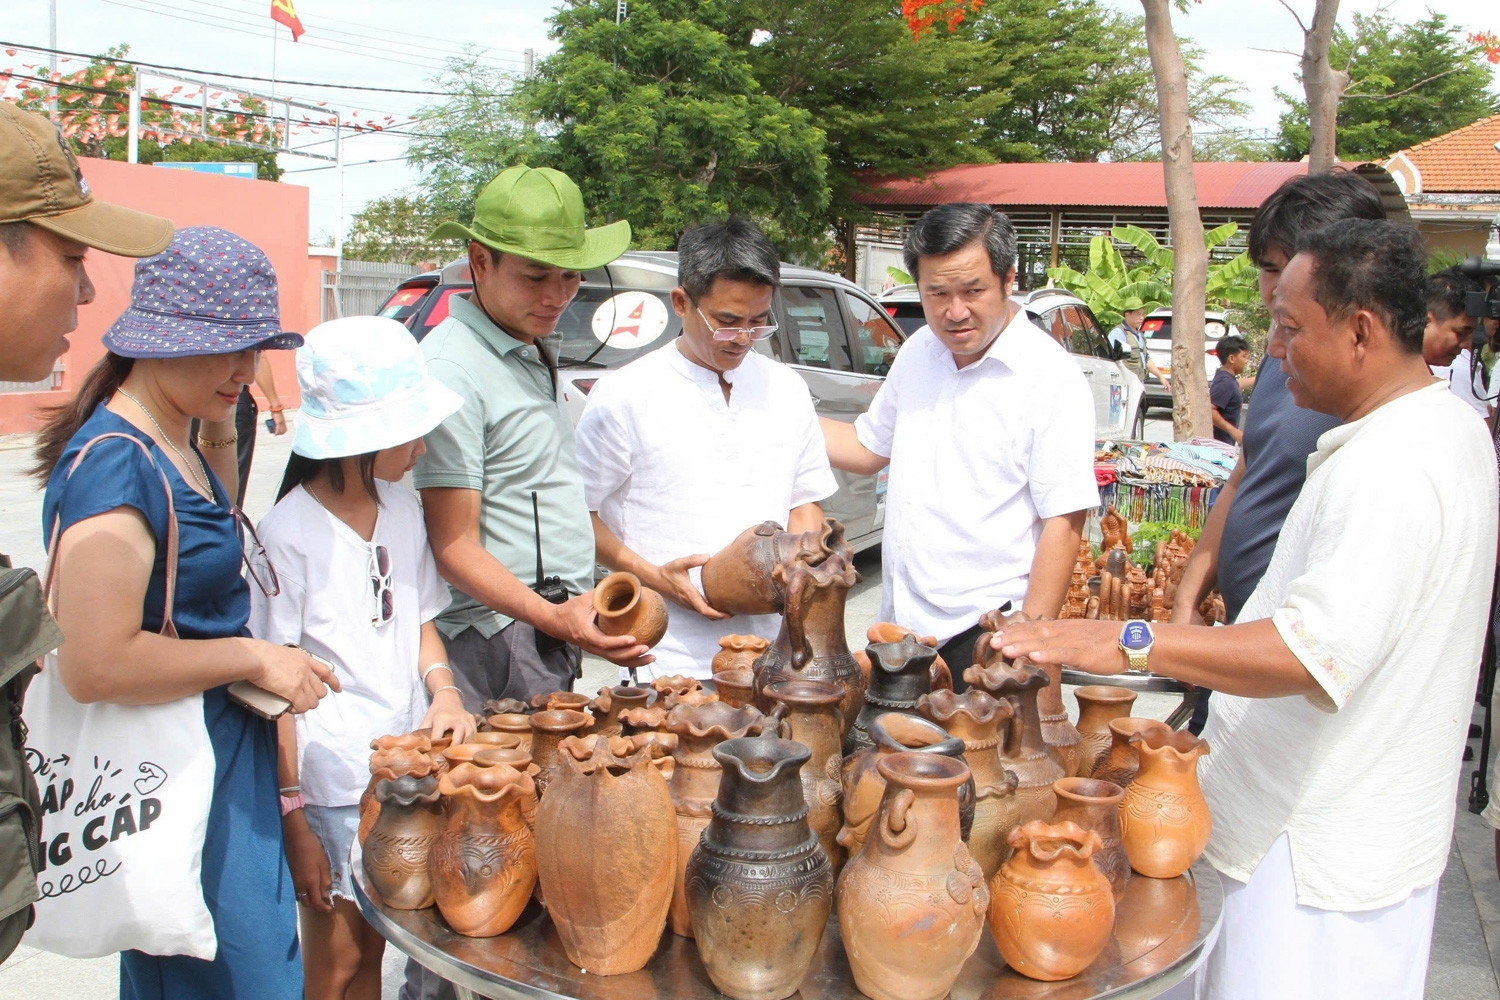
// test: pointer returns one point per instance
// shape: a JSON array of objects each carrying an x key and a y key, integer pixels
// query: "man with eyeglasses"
[{"x": 684, "y": 448}]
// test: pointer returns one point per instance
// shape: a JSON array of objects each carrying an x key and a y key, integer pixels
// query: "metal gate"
[{"x": 360, "y": 287}]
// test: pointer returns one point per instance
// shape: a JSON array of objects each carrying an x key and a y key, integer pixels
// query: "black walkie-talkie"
[{"x": 548, "y": 588}]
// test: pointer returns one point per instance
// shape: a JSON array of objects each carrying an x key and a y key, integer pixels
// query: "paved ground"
[{"x": 1466, "y": 944}]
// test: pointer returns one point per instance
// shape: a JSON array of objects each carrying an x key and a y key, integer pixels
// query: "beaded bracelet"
[
  {"x": 278, "y": 409},
  {"x": 217, "y": 442}
]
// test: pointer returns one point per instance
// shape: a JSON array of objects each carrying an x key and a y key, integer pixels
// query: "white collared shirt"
[
  {"x": 980, "y": 456},
  {"x": 672, "y": 469},
  {"x": 1380, "y": 586}
]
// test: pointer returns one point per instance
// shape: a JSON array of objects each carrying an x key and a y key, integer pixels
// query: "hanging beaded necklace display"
[{"x": 201, "y": 473}]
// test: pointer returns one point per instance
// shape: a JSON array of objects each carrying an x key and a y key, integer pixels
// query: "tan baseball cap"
[{"x": 40, "y": 183}]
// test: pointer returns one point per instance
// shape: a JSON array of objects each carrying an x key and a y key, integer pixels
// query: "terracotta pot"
[
  {"x": 504, "y": 706},
  {"x": 623, "y": 607},
  {"x": 1164, "y": 820},
  {"x": 548, "y": 729},
  {"x": 606, "y": 853},
  {"x": 651, "y": 719},
  {"x": 674, "y": 686},
  {"x": 695, "y": 781},
  {"x": 811, "y": 644},
  {"x": 1120, "y": 765},
  {"x": 737, "y": 687},
  {"x": 1051, "y": 911},
  {"x": 1024, "y": 750},
  {"x": 942, "y": 677},
  {"x": 976, "y": 718},
  {"x": 1064, "y": 739},
  {"x": 483, "y": 862},
  {"x": 737, "y": 580},
  {"x": 738, "y": 652},
  {"x": 864, "y": 785},
  {"x": 912, "y": 901},
  {"x": 575, "y": 701},
  {"x": 463, "y": 753},
  {"x": 812, "y": 719},
  {"x": 759, "y": 887},
  {"x": 1095, "y": 805},
  {"x": 395, "y": 852},
  {"x": 384, "y": 765},
  {"x": 612, "y": 702},
  {"x": 514, "y": 723},
  {"x": 899, "y": 675},
  {"x": 1098, "y": 706}
]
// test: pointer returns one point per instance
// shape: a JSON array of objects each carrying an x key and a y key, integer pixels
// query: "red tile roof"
[
  {"x": 1115, "y": 185},
  {"x": 1462, "y": 161}
]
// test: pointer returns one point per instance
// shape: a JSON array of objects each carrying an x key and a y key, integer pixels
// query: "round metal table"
[
  {"x": 1134, "y": 680},
  {"x": 1164, "y": 929}
]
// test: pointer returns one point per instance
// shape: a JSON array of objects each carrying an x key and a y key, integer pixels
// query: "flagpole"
[{"x": 275, "y": 31}]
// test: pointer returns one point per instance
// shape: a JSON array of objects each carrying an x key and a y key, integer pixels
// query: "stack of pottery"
[
  {"x": 1095, "y": 805},
  {"x": 942, "y": 677},
  {"x": 975, "y": 717},
  {"x": 912, "y": 902},
  {"x": 1164, "y": 820},
  {"x": 393, "y": 757},
  {"x": 695, "y": 781},
  {"x": 811, "y": 717},
  {"x": 1061, "y": 736},
  {"x": 1051, "y": 911},
  {"x": 606, "y": 854},
  {"x": 1098, "y": 706},
  {"x": 864, "y": 786},
  {"x": 674, "y": 688},
  {"x": 898, "y": 677},
  {"x": 623, "y": 607},
  {"x": 1121, "y": 763},
  {"x": 548, "y": 729},
  {"x": 482, "y": 864},
  {"x": 396, "y": 849},
  {"x": 1024, "y": 750},
  {"x": 733, "y": 668},
  {"x": 553, "y": 701},
  {"x": 463, "y": 753},
  {"x": 516, "y": 724},
  {"x": 612, "y": 702},
  {"x": 759, "y": 886}
]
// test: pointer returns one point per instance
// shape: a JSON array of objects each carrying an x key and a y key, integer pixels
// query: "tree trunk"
[
  {"x": 1190, "y": 415},
  {"x": 1324, "y": 87}
]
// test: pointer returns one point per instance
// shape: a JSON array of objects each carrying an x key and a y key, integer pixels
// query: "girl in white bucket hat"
[{"x": 359, "y": 588}]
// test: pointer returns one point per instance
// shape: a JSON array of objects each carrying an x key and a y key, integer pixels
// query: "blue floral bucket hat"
[
  {"x": 365, "y": 386},
  {"x": 208, "y": 292}
]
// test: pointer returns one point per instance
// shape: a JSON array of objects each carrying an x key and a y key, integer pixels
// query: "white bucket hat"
[{"x": 365, "y": 387}]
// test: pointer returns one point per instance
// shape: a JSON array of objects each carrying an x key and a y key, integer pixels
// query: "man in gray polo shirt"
[{"x": 499, "y": 477}]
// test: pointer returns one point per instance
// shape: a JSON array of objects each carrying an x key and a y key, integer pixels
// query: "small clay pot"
[
  {"x": 515, "y": 723},
  {"x": 624, "y": 607},
  {"x": 864, "y": 786},
  {"x": 899, "y": 675},
  {"x": 463, "y": 753},
  {"x": 1095, "y": 805},
  {"x": 735, "y": 687},
  {"x": 504, "y": 706},
  {"x": 738, "y": 652},
  {"x": 483, "y": 862},
  {"x": 1120, "y": 765},
  {"x": 548, "y": 730},
  {"x": 1051, "y": 910},
  {"x": 1098, "y": 706},
  {"x": 1164, "y": 820},
  {"x": 395, "y": 852},
  {"x": 673, "y": 687},
  {"x": 575, "y": 701},
  {"x": 612, "y": 702}
]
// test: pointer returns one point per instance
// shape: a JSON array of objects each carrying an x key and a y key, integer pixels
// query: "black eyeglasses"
[
  {"x": 380, "y": 584},
  {"x": 257, "y": 560}
]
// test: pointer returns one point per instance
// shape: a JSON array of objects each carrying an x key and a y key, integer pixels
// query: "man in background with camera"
[{"x": 500, "y": 484}]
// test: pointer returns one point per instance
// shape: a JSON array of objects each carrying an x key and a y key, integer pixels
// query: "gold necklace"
[{"x": 201, "y": 474}]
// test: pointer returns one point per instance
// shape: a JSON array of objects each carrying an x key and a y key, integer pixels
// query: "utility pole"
[
  {"x": 620, "y": 13},
  {"x": 52, "y": 55},
  {"x": 530, "y": 62}
]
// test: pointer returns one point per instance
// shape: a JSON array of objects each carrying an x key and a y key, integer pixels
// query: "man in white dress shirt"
[
  {"x": 988, "y": 427},
  {"x": 1343, "y": 691},
  {"x": 683, "y": 449}
]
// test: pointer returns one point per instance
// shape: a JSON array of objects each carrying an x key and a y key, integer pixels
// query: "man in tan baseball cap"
[{"x": 48, "y": 220}]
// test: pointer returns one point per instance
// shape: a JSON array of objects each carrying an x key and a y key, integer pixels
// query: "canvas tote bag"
[{"x": 125, "y": 792}]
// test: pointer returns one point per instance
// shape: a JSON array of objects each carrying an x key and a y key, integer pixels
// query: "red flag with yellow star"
[{"x": 285, "y": 13}]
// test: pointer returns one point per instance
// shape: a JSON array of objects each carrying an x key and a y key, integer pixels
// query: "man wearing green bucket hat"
[{"x": 500, "y": 483}]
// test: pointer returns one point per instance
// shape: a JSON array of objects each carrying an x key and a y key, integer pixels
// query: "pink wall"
[{"x": 270, "y": 215}]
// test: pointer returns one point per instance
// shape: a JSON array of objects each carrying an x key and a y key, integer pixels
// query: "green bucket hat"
[{"x": 538, "y": 214}]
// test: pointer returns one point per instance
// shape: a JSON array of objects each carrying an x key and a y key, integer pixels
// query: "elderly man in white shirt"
[
  {"x": 1343, "y": 694},
  {"x": 988, "y": 427},
  {"x": 683, "y": 449}
]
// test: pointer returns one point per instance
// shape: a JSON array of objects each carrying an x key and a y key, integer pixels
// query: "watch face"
[{"x": 1136, "y": 636}]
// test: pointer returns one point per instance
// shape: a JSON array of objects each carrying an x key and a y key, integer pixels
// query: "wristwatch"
[{"x": 1136, "y": 640}]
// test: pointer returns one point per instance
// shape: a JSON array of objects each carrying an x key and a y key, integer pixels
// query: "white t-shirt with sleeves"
[{"x": 326, "y": 606}]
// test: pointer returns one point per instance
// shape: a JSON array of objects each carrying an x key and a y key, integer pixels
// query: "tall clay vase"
[
  {"x": 1121, "y": 764},
  {"x": 864, "y": 785},
  {"x": 899, "y": 676},
  {"x": 976, "y": 718},
  {"x": 1024, "y": 750},
  {"x": 759, "y": 885},
  {"x": 812, "y": 719},
  {"x": 614, "y": 702},
  {"x": 1164, "y": 820},
  {"x": 695, "y": 781},
  {"x": 483, "y": 862},
  {"x": 740, "y": 578},
  {"x": 1051, "y": 910},
  {"x": 624, "y": 607},
  {"x": 1098, "y": 706},
  {"x": 912, "y": 901},
  {"x": 811, "y": 644},
  {"x": 385, "y": 764},
  {"x": 548, "y": 730},
  {"x": 395, "y": 852},
  {"x": 605, "y": 855},
  {"x": 1095, "y": 805},
  {"x": 1059, "y": 733},
  {"x": 942, "y": 677}
]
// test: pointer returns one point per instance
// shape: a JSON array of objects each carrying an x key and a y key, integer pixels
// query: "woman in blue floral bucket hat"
[
  {"x": 200, "y": 314},
  {"x": 359, "y": 587}
]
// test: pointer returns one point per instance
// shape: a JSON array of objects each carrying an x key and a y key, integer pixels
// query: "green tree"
[
  {"x": 396, "y": 228},
  {"x": 1408, "y": 82}
]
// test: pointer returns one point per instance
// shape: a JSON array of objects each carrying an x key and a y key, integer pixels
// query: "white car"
[{"x": 1158, "y": 331}]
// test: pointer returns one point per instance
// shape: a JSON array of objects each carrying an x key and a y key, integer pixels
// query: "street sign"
[{"x": 246, "y": 170}]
